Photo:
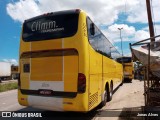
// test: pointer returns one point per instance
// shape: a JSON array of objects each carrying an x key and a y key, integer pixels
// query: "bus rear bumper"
[{"x": 54, "y": 103}]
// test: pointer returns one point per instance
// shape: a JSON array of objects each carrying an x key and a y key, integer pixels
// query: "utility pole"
[
  {"x": 151, "y": 29},
  {"x": 121, "y": 48},
  {"x": 121, "y": 40}
]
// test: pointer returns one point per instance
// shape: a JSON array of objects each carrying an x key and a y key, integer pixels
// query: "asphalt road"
[
  {"x": 128, "y": 97},
  {"x": 9, "y": 101}
]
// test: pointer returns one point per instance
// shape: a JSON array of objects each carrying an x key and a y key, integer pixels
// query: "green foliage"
[{"x": 8, "y": 86}]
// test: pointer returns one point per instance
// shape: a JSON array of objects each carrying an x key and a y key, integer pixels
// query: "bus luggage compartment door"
[{"x": 58, "y": 72}]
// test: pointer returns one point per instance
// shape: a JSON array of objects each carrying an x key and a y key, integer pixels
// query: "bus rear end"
[
  {"x": 128, "y": 71},
  {"x": 50, "y": 77},
  {"x": 128, "y": 68}
]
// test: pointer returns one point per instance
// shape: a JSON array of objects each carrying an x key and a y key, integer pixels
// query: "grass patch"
[{"x": 8, "y": 86}]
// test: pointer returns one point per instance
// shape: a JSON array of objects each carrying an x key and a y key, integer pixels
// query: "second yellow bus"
[{"x": 128, "y": 67}]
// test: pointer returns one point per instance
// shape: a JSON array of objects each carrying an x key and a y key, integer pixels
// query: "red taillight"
[
  {"x": 81, "y": 83},
  {"x": 22, "y": 99}
]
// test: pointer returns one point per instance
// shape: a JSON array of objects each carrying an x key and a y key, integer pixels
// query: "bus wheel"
[
  {"x": 110, "y": 92},
  {"x": 130, "y": 80},
  {"x": 104, "y": 99},
  {"x": 122, "y": 82}
]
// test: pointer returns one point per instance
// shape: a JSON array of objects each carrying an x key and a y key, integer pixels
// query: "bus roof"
[{"x": 55, "y": 13}]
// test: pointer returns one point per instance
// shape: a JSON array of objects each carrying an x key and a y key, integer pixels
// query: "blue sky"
[
  {"x": 109, "y": 15},
  {"x": 10, "y": 35}
]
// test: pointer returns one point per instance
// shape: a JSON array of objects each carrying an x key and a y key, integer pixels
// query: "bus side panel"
[
  {"x": 108, "y": 71},
  {"x": 119, "y": 70},
  {"x": 111, "y": 73},
  {"x": 95, "y": 81}
]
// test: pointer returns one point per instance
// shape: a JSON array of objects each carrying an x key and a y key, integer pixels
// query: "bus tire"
[
  {"x": 110, "y": 92},
  {"x": 103, "y": 103},
  {"x": 130, "y": 79},
  {"x": 122, "y": 82},
  {"x": 106, "y": 96}
]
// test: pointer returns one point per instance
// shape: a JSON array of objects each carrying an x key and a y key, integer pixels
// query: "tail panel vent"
[{"x": 93, "y": 99}]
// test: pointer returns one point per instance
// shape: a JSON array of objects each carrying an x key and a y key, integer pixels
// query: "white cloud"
[
  {"x": 141, "y": 34},
  {"x": 128, "y": 33},
  {"x": 138, "y": 13},
  {"x": 24, "y": 9},
  {"x": 128, "y": 30},
  {"x": 102, "y": 11},
  {"x": 12, "y": 61},
  {"x": 156, "y": 30}
]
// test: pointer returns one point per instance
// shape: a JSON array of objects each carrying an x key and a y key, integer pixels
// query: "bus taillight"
[{"x": 81, "y": 83}]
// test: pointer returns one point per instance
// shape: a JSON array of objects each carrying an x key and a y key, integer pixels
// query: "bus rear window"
[
  {"x": 124, "y": 60},
  {"x": 50, "y": 26}
]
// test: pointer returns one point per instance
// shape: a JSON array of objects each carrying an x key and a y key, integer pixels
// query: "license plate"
[{"x": 45, "y": 92}]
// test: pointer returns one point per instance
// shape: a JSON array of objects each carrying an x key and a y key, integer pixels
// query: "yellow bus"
[
  {"x": 128, "y": 67},
  {"x": 66, "y": 63}
]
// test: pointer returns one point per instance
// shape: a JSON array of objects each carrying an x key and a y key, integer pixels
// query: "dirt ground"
[{"x": 127, "y": 99}]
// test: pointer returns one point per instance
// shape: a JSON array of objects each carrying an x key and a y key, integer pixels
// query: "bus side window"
[
  {"x": 97, "y": 39},
  {"x": 92, "y": 29},
  {"x": 90, "y": 35}
]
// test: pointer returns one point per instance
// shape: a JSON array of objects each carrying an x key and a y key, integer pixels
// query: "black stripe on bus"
[
  {"x": 53, "y": 93},
  {"x": 49, "y": 53}
]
